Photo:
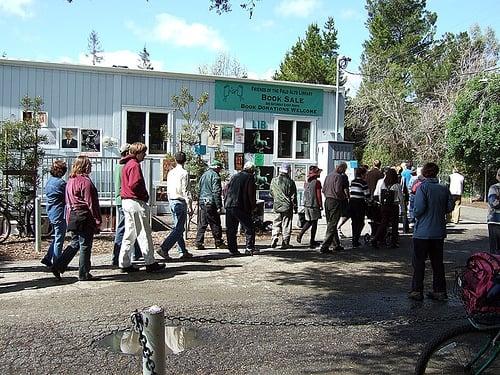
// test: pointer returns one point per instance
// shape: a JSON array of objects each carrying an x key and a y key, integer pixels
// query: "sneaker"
[
  {"x": 285, "y": 246},
  {"x": 274, "y": 242},
  {"x": 88, "y": 277},
  {"x": 129, "y": 269},
  {"x": 338, "y": 248},
  {"x": 251, "y": 251},
  {"x": 220, "y": 245},
  {"x": 155, "y": 267},
  {"x": 186, "y": 255},
  {"x": 163, "y": 254},
  {"x": 437, "y": 296},
  {"x": 57, "y": 274},
  {"x": 416, "y": 295}
]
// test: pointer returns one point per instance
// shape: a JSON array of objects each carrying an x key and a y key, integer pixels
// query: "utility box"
[{"x": 331, "y": 153}]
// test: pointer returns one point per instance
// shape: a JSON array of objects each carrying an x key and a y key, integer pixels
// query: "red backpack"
[{"x": 477, "y": 279}]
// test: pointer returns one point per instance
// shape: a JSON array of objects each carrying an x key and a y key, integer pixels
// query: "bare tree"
[
  {"x": 144, "y": 60},
  {"x": 94, "y": 48},
  {"x": 224, "y": 65}
]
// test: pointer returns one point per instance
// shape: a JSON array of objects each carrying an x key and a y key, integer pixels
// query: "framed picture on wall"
[
  {"x": 265, "y": 195},
  {"x": 49, "y": 137},
  {"x": 214, "y": 136},
  {"x": 239, "y": 160},
  {"x": 299, "y": 172},
  {"x": 263, "y": 177},
  {"x": 90, "y": 141},
  {"x": 227, "y": 134},
  {"x": 167, "y": 166},
  {"x": 239, "y": 135},
  {"x": 259, "y": 141},
  {"x": 43, "y": 119},
  {"x": 69, "y": 139},
  {"x": 222, "y": 156}
]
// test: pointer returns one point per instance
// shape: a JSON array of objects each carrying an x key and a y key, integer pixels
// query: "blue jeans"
[
  {"x": 80, "y": 241},
  {"x": 56, "y": 246},
  {"x": 178, "y": 209}
]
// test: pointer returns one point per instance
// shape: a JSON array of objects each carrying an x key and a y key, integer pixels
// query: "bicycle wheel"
[
  {"x": 4, "y": 226},
  {"x": 461, "y": 350}
]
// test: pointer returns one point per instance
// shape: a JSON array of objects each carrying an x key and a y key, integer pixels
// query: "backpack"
[
  {"x": 387, "y": 197},
  {"x": 479, "y": 278},
  {"x": 309, "y": 191}
]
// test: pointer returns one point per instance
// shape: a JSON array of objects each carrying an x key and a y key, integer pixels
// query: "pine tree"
[
  {"x": 144, "y": 60},
  {"x": 94, "y": 48}
]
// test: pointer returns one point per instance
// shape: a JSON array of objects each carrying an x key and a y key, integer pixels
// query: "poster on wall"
[
  {"x": 222, "y": 156},
  {"x": 265, "y": 195},
  {"x": 49, "y": 138},
  {"x": 90, "y": 141},
  {"x": 258, "y": 160},
  {"x": 263, "y": 177},
  {"x": 227, "y": 134},
  {"x": 68, "y": 138},
  {"x": 239, "y": 160},
  {"x": 299, "y": 173},
  {"x": 43, "y": 119},
  {"x": 214, "y": 136},
  {"x": 259, "y": 141},
  {"x": 239, "y": 136},
  {"x": 167, "y": 166}
]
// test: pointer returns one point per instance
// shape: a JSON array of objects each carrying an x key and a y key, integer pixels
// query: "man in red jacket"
[{"x": 136, "y": 211}]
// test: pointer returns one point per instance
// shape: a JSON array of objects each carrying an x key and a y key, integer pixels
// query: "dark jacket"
[
  {"x": 372, "y": 178},
  {"x": 133, "y": 185},
  {"x": 336, "y": 185},
  {"x": 432, "y": 202},
  {"x": 211, "y": 189},
  {"x": 284, "y": 193},
  {"x": 55, "y": 191},
  {"x": 241, "y": 192}
]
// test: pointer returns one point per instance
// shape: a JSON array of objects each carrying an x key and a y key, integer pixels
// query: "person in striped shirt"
[{"x": 359, "y": 194}]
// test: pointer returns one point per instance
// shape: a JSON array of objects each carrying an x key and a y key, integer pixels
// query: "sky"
[{"x": 183, "y": 35}]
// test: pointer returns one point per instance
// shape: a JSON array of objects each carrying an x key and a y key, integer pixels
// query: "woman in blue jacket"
[{"x": 55, "y": 191}]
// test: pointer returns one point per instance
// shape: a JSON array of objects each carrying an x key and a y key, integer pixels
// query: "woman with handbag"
[{"x": 83, "y": 216}]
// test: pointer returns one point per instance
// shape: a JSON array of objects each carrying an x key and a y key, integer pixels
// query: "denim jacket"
[
  {"x": 55, "y": 192},
  {"x": 432, "y": 202}
]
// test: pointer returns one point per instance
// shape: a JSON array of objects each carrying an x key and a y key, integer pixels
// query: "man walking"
[
  {"x": 284, "y": 193},
  {"x": 373, "y": 175},
  {"x": 456, "y": 190},
  {"x": 336, "y": 191},
  {"x": 240, "y": 204},
  {"x": 432, "y": 202},
  {"x": 136, "y": 211},
  {"x": 178, "y": 200},
  {"x": 210, "y": 206}
]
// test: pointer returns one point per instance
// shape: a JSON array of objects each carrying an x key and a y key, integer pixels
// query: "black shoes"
[
  {"x": 88, "y": 277},
  {"x": 47, "y": 262},
  {"x": 220, "y": 245},
  {"x": 235, "y": 253},
  {"x": 130, "y": 269},
  {"x": 314, "y": 244},
  {"x": 274, "y": 242},
  {"x": 186, "y": 255},
  {"x": 163, "y": 254},
  {"x": 200, "y": 246},
  {"x": 299, "y": 239},
  {"x": 437, "y": 296},
  {"x": 154, "y": 267},
  {"x": 285, "y": 246},
  {"x": 56, "y": 273},
  {"x": 326, "y": 251},
  {"x": 416, "y": 295}
]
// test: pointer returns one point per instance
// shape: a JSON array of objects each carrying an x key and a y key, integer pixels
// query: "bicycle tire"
[
  {"x": 5, "y": 226},
  {"x": 453, "y": 351}
]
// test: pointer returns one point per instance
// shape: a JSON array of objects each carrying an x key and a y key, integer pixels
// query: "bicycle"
[
  {"x": 471, "y": 348},
  {"x": 23, "y": 214}
]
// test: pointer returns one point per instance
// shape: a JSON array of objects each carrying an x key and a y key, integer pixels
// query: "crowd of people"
[{"x": 384, "y": 196}]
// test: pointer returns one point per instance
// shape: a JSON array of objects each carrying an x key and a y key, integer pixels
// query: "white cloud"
[
  {"x": 350, "y": 14},
  {"x": 178, "y": 32},
  {"x": 352, "y": 84},
  {"x": 122, "y": 57},
  {"x": 19, "y": 8},
  {"x": 297, "y": 8},
  {"x": 266, "y": 75},
  {"x": 263, "y": 25}
]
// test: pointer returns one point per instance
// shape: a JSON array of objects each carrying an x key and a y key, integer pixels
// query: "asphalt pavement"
[{"x": 292, "y": 311}]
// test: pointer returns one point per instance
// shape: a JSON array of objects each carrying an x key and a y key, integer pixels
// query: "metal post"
[
  {"x": 337, "y": 83},
  {"x": 38, "y": 225},
  {"x": 486, "y": 183},
  {"x": 154, "y": 330}
]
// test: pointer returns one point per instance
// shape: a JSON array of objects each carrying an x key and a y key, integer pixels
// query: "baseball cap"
[
  {"x": 216, "y": 164},
  {"x": 249, "y": 166},
  {"x": 124, "y": 147},
  {"x": 285, "y": 168}
]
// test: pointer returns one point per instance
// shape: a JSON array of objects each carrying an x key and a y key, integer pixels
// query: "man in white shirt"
[
  {"x": 178, "y": 199},
  {"x": 456, "y": 190}
]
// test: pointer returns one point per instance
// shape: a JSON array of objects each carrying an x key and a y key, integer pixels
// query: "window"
[
  {"x": 294, "y": 139},
  {"x": 146, "y": 127}
]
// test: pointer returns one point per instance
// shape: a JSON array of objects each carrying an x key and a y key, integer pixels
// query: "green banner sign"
[{"x": 258, "y": 97}]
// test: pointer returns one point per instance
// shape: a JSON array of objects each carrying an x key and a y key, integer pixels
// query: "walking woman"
[
  {"x": 390, "y": 195},
  {"x": 313, "y": 204},
  {"x": 55, "y": 191},
  {"x": 83, "y": 216}
]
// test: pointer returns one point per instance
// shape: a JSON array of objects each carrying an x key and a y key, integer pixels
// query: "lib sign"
[{"x": 257, "y": 97}]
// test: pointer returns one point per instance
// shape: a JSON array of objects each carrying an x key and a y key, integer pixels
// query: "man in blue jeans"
[{"x": 178, "y": 199}]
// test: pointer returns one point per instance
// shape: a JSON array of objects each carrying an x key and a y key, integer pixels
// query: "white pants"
[{"x": 137, "y": 227}]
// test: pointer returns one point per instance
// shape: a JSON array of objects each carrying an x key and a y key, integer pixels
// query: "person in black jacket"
[{"x": 240, "y": 203}]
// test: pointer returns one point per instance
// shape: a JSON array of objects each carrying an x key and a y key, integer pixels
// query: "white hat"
[
  {"x": 124, "y": 147},
  {"x": 285, "y": 168},
  {"x": 249, "y": 165}
]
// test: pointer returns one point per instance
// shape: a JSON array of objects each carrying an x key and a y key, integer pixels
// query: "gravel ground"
[{"x": 349, "y": 302}]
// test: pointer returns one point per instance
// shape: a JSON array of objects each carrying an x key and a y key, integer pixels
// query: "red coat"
[{"x": 133, "y": 184}]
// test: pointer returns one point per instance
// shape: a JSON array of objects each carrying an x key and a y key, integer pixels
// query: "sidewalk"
[{"x": 50, "y": 327}]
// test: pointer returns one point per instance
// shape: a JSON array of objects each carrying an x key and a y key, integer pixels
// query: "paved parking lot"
[{"x": 338, "y": 314}]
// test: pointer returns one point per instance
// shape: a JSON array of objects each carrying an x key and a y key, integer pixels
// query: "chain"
[
  {"x": 385, "y": 322},
  {"x": 139, "y": 323}
]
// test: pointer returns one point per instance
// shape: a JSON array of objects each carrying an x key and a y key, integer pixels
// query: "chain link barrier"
[{"x": 138, "y": 323}]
